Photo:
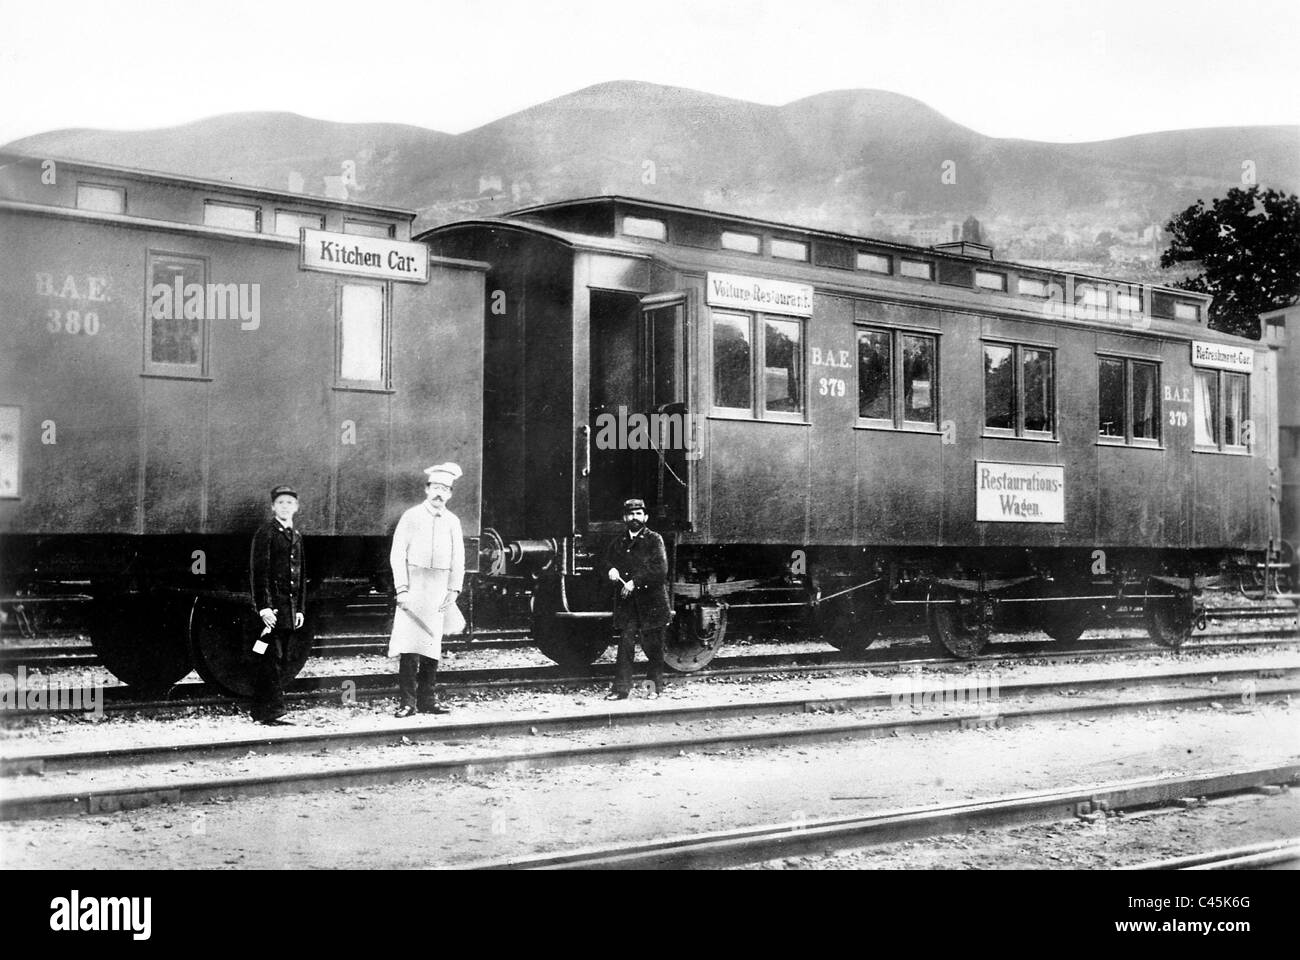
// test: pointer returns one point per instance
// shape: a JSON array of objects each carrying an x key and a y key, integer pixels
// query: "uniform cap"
[
  {"x": 283, "y": 490},
  {"x": 633, "y": 504},
  {"x": 446, "y": 473}
]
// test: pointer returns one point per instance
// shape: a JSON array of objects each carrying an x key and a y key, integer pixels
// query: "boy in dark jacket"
[{"x": 280, "y": 598}]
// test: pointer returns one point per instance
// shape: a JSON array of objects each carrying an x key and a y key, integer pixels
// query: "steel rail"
[
  {"x": 1272, "y": 854},
  {"x": 753, "y": 844},
  {"x": 91, "y": 799},
  {"x": 122, "y": 699},
  {"x": 289, "y": 741}
]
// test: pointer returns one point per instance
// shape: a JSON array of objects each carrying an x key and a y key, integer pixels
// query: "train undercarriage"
[
  {"x": 157, "y": 607},
  {"x": 850, "y": 597}
]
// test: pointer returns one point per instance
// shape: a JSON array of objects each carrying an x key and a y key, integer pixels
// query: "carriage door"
[
  {"x": 665, "y": 401},
  {"x": 638, "y": 408}
]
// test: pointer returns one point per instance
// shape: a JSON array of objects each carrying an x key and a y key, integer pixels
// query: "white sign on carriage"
[
  {"x": 1221, "y": 357},
  {"x": 754, "y": 293},
  {"x": 365, "y": 256},
  {"x": 1019, "y": 492}
]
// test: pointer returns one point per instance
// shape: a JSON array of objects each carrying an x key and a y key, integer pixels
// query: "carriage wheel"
[
  {"x": 572, "y": 642},
  {"x": 222, "y": 634},
  {"x": 1066, "y": 622},
  {"x": 845, "y": 622},
  {"x": 140, "y": 638},
  {"x": 957, "y": 627},
  {"x": 695, "y": 636},
  {"x": 1170, "y": 621}
]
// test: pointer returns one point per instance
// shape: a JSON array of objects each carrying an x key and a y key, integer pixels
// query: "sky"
[{"x": 1076, "y": 71}]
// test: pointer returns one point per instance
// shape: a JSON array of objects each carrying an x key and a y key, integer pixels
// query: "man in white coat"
[{"x": 428, "y": 559}]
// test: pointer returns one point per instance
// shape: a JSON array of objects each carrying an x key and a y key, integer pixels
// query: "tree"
[{"x": 1248, "y": 247}]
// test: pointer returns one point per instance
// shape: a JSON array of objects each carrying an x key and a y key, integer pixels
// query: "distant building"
[
  {"x": 928, "y": 235},
  {"x": 970, "y": 230}
]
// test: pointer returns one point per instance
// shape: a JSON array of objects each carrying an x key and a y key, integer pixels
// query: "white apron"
[{"x": 419, "y": 627}]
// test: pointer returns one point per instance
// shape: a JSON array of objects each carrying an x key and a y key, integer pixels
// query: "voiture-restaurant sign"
[
  {"x": 756, "y": 293},
  {"x": 375, "y": 257}
]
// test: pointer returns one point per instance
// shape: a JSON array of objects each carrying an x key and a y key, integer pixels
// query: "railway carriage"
[
  {"x": 848, "y": 435},
  {"x": 852, "y": 433},
  {"x": 172, "y": 348}
]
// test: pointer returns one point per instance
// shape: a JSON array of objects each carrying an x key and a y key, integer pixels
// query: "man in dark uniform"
[
  {"x": 638, "y": 563},
  {"x": 280, "y": 598}
]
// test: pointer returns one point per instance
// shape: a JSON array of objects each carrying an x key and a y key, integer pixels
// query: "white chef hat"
[{"x": 446, "y": 473}]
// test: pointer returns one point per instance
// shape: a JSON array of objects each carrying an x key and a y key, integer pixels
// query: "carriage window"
[
  {"x": 874, "y": 263},
  {"x": 1019, "y": 391},
  {"x": 1187, "y": 311},
  {"x": 368, "y": 228},
  {"x": 782, "y": 366},
  {"x": 1086, "y": 295},
  {"x": 232, "y": 216},
  {"x": 101, "y": 199},
  {"x": 789, "y": 250},
  {"x": 1128, "y": 400},
  {"x": 1206, "y": 408},
  {"x": 643, "y": 227},
  {"x": 1037, "y": 390},
  {"x": 1221, "y": 410},
  {"x": 731, "y": 361},
  {"x": 743, "y": 242},
  {"x": 1234, "y": 409},
  {"x": 1031, "y": 287},
  {"x": 1144, "y": 400},
  {"x": 875, "y": 375},
  {"x": 1110, "y": 398},
  {"x": 758, "y": 366},
  {"x": 362, "y": 334},
  {"x": 288, "y": 223},
  {"x": 999, "y": 388},
  {"x": 918, "y": 379},
  {"x": 175, "y": 307},
  {"x": 888, "y": 357},
  {"x": 919, "y": 269},
  {"x": 988, "y": 280}
]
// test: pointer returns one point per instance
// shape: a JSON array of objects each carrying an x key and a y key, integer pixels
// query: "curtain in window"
[
  {"x": 1205, "y": 407},
  {"x": 1144, "y": 401},
  {"x": 1234, "y": 408}
]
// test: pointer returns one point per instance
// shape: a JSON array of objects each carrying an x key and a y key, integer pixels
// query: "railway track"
[
  {"x": 753, "y": 844},
  {"x": 63, "y": 651},
  {"x": 319, "y": 765},
  {"x": 120, "y": 699},
  {"x": 1274, "y": 855}
]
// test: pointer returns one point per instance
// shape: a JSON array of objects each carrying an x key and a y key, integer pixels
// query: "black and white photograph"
[{"x": 756, "y": 436}]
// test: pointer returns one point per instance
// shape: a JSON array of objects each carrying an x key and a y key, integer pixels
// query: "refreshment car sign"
[
  {"x": 1019, "y": 492},
  {"x": 1220, "y": 357}
]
